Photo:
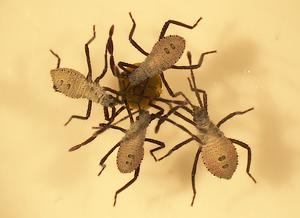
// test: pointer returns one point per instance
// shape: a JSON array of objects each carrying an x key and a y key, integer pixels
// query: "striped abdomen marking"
[
  {"x": 73, "y": 84},
  {"x": 220, "y": 157}
]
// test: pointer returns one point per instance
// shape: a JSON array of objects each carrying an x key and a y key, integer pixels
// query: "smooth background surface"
[{"x": 256, "y": 65}]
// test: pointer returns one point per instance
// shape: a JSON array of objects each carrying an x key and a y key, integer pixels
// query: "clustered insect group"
[{"x": 140, "y": 88}]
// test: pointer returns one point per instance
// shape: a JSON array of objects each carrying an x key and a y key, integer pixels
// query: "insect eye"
[
  {"x": 172, "y": 45},
  {"x": 167, "y": 50}
]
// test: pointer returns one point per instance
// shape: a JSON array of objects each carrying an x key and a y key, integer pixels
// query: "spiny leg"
[
  {"x": 229, "y": 116},
  {"x": 132, "y": 41},
  {"x": 196, "y": 66},
  {"x": 136, "y": 174},
  {"x": 244, "y": 145},
  {"x": 160, "y": 144},
  {"x": 109, "y": 47},
  {"x": 102, "y": 161},
  {"x": 58, "y": 58},
  {"x": 88, "y": 114},
  {"x": 194, "y": 170},
  {"x": 166, "y": 26},
  {"x": 176, "y": 147}
]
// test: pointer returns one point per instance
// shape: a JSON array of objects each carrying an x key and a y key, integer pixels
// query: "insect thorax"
[
  {"x": 143, "y": 72},
  {"x": 208, "y": 131}
]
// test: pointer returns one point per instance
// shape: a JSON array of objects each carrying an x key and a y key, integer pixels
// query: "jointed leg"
[
  {"x": 87, "y": 53},
  {"x": 229, "y": 116},
  {"x": 109, "y": 47},
  {"x": 173, "y": 110},
  {"x": 58, "y": 58},
  {"x": 166, "y": 26},
  {"x": 102, "y": 162},
  {"x": 196, "y": 66},
  {"x": 88, "y": 114},
  {"x": 124, "y": 66},
  {"x": 244, "y": 145},
  {"x": 132, "y": 40},
  {"x": 194, "y": 170},
  {"x": 170, "y": 90},
  {"x": 98, "y": 132},
  {"x": 160, "y": 144},
  {"x": 176, "y": 147},
  {"x": 185, "y": 130},
  {"x": 136, "y": 174}
]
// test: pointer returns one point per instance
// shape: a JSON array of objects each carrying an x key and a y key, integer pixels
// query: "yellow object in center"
[{"x": 134, "y": 94}]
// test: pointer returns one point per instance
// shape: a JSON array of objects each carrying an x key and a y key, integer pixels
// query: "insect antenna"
[
  {"x": 58, "y": 58},
  {"x": 189, "y": 56}
]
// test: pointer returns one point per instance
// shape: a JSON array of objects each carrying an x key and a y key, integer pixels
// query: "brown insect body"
[
  {"x": 165, "y": 53},
  {"x": 218, "y": 152},
  {"x": 131, "y": 151},
  {"x": 75, "y": 85}
]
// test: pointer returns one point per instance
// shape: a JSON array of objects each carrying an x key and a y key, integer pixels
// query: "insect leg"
[
  {"x": 173, "y": 110},
  {"x": 185, "y": 130},
  {"x": 229, "y": 116},
  {"x": 98, "y": 132},
  {"x": 88, "y": 114},
  {"x": 196, "y": 66},
  {"x": 58, "y": 58},
  {"x": 87, "y": 54},
  {"x": 136, "y": 174},
  {"x": 102, "y": 161},
  {"x": 88, "y": 77},
  {"x": 244, "y": 145},
  {"x": 176, "y": 147},
  {"x": 160, "y": 144},
  {"x": 124, "y": 65},
  {"x": 194, "y": 170},
  {"x": 109, "y": 47},
  {"x": 166, "y": 26},
  {"x": 198, "y": 97},
  {"x": 132, "y": 41}
]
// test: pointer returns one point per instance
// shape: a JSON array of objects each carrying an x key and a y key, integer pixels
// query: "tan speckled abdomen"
[
  {"x": 130, "y": 154},
  {"x": 74, "y": 84},
  {"x": 220, "y": 157}
]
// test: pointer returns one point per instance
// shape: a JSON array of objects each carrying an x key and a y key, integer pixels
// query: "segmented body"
[
  {"x": 75, "y": 85},
  {"x": 131, "y": 151},
  {"x": 218, "y": 152},
  {"x": 165, "y": 53}
]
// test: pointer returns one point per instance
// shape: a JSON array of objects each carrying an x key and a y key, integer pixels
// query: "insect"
[
  {"x": 164, "y": 54},
  {"x": 217, "y": 151},
  {"x": 131, "y": 146},
  {"x": 75, "y": 85}
]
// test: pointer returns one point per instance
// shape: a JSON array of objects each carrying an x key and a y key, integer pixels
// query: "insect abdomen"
[
  {"x": 220, "y": 157},
  {"x": 166, "y": 52},
  {"x": 73, "y": 84},
  {"x": 130, "y": 154}
]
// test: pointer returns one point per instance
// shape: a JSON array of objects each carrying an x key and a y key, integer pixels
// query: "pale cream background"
[{"x": 256, "y": 65}]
